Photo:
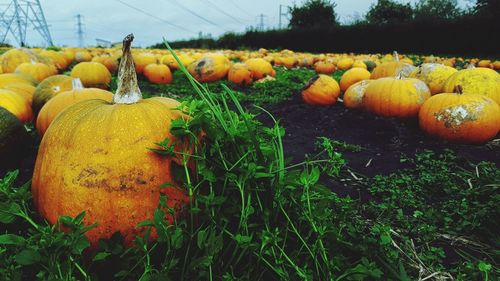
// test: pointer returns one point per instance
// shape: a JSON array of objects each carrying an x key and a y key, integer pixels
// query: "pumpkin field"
[{"x": 133, "y": 163}]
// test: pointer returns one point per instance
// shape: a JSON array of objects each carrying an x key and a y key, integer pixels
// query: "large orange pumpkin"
[
  {"x": 65, "y": 99},
  {"x": 22, "y": 89},
  {"x": 95, "y": 157},
  {"x": 393, "y": 69},
  {"x": 395, "y": 97},
  {"x": 460, "y": 118},
  {"x": 11, "y": 78},
  {"x": 92, "y": 74},
  {"x": 321, "y": 90}
]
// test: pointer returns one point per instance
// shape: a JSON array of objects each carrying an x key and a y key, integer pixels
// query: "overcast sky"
[{"x": 174, "y": 19}]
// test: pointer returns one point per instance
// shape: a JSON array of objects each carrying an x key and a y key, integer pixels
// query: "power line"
[
  {"x": 155, "y": 17},
  {"x": 224, "y": 12},
  {"x": 193, "y": 13},
  {"x": 239, "y": 8}
]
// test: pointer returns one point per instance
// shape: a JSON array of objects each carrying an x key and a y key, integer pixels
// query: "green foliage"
[
  {"x": 436, "y": 10},
  {"x": 389, "y": 12},
  {"x": 313, "y": 14},
  {"x": 489, "y": 9}
]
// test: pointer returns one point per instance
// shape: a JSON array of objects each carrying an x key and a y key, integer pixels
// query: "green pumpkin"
[
  {"x": 370, "y": 65},
  {"x": 13, "y": 136}
]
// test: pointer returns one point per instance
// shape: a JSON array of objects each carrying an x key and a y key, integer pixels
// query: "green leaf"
[
  {"x": 11, "y": 239},
  {"x": 101, "y": 256},
  {"x": 8, "y": 212},
  {"x": 202, "y": 236},
  {"x": 242, "y": 239},
  {"x": 27, "y": 257}
]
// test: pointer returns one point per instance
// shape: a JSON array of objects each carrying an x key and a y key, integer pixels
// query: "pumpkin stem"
[
  {"x": 396, "y": 55},
  {"x": 458, "y": 89},
  {"x": 128, "y": 91},
  {"x": 76, "y": 83},
  {"x": 470, "y": 65}
]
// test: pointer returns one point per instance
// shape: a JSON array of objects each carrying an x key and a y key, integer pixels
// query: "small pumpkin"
[
  {"x": 143, "y": 59},
  {"x": 321, "y": 90},
  {"x": 353, "y": 97},
  {"x": 211, "y": 67},
  {"x": 109, "y": 62},
  {"x": 240, "y": 74},
  {"x": 83, "y": 56},
  {"x": 260, "y": 68},
  {"x": 345, "y": 63},
  {"x": 48, "y": 88},
  {"x": 65, "y": 99},
  {"x": 92, "y": 74},
  {"x": 395, "y": 97},
  {"x": 16, "y": 104},
  {"x": 456, "y": 117},
  {"x": 324, "y": 67},
  {"x": 480, "y": 80},
  {"x": 122, "y": 171},
  {"x": 352, "y": 76},
  {"x": 158, "y": 73},
  {"x": 434, "y": 75}
]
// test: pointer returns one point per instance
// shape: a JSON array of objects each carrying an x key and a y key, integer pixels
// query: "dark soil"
[{"x": 385, "y": 140}]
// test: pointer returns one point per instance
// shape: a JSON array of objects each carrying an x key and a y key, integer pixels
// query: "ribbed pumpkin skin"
[
  {"x": 50, "y": 87},
  {"x": 16, "y": 104},
  {"x": 481, "y": 81},
  {"x": 352, "y": 76},
  {"x": 459, "y": 118},
  {"x": 353, "y": 97},
  {"x": 95, "y": 158},
  {"x": 321, "y": 90},
  {"x": 392, "y": 97},
  {"x": 434, "y": 75},
  {"x": 210, "y": 68},
  {"x": 158, "y": 73},
  {"x": 10, "y": 78},
  {"x": 64, "y": 100},
  {"x": 92, "y": 74},
  {"x": 38, "y": 71},
  {"x": 392, "y": 69},
  {"x": 240, "y": 74},
  {"x": 260, "y": 68},
  {"x": 14, "y": 57},
  {"x": 25, "y": 90}
]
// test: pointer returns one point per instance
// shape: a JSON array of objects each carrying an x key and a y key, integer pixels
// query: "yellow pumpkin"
[
  {"x": 240, "y": 74},
  {"x": 321, "y": 90},
  {"x": 353, "y": 97},
  {"x": 14, "y": 57},
  {"x": 454, "y": 117},
  {"x": 352, "y": 76},
  {"x": 158, "y": 73},
  {"x": 345, "y": 63},
  {"x": 395, "y": 97},
  {"x": 143, "y": 59},
  {"x": 434, "y": 75},
  {"x": 22, "y": 89},
  {"x": 119, "y": 185},
  {"x": 109, "y": 62},
  {"x": 210, "y": 68},
  {"x": 38, "y": 71},
  {"x": 65, "y": 99},
  {"x": 92, "y": 74},
  {"x": 392, "y": 69},
  {"x": 11, "y": 78},
  {"x": 16, "y": 104},
  {"x": 83, "y": 56},
  {"x": 59, "y": 59},
  {"x": 260, "y": 68},
  {"x": 481, "y": 81},
  {"x": 48, "y": 88},
  {"x": 324, "y": 67}
]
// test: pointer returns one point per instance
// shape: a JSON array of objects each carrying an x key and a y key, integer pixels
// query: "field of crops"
[{"x": 193, "y": 164}]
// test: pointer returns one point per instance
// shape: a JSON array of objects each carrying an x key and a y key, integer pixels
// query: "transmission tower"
[
  {"x": 16, "y": 17},
  {"x": 261, "y": 25},
  {"x": 79, "y": 30},
  {"x": 284, "y": 12}
]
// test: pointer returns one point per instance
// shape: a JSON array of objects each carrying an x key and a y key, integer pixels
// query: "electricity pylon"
[{"x": 16, "y": 17}]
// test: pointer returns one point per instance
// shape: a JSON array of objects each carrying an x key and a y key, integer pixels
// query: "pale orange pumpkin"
[
  {"x": 352, "y": 76},
  {"x": 324, "y": 67},
  {"x": 210, "y": 68},
  {"x": 240, "y": 74},
  {"x": 353, "y": 97},
  {"x": 158, "y": 73},
  {"x": 260, "y": 68},
  {"x": 38, "y": 71}
]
